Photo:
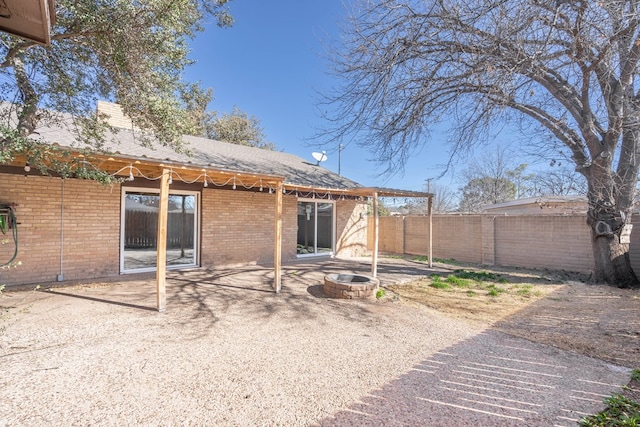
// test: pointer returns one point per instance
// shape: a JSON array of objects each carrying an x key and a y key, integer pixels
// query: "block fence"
[{"x": 555, "y": 242}]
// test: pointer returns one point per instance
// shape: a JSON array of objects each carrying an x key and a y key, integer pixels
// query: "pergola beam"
[
  {"x": 161, "y": 260},
  {"x": 374, "y": 256},
  {"x": 277, "y": 251}
]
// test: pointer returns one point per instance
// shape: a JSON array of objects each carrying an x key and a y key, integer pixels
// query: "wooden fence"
[{"x": 141, "y": 229}]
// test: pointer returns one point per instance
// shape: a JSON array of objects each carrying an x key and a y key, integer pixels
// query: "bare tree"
[
  {"x": 569, "y": 68},
  {"x": 494, "y": 178},
  {"x": 560, "y": 182},
  {"x": 444, "y": 201}
]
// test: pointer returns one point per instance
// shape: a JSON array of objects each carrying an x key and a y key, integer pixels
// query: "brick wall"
[
  {"x": 540, "y": 241},
  {"x": 91, "y": 229},
  {"x": 237, "y": 227},
  {"x": 115, "y": 116},
  {"x": 351, "y": 228}
]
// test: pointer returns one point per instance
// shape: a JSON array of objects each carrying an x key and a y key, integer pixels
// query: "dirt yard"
[
  {"x": 553, "y": 308},
  {"x": 229, "y": 351}
]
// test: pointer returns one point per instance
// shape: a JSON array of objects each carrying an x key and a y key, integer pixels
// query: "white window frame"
[
  {"x": 196, "y": 228},
  {"x": 315, "y": 228}
]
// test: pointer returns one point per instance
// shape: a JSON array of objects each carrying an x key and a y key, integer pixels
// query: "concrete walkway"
[{"x": 492, "y": 379}]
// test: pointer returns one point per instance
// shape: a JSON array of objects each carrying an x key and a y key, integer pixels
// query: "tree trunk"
[
  {"x": 610, "y": 238},
  {"x": 612, "y": 262}
]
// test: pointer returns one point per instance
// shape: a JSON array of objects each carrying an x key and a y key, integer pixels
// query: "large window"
[
  {"x": 140, "y": 230},
  {"x": 316, "y": 229}
]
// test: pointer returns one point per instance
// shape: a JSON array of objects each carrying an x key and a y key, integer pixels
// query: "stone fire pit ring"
[{"x": 350, "y": 286}]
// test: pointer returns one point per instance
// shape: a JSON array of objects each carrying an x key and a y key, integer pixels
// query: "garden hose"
[{"x": 6, "y": 223}]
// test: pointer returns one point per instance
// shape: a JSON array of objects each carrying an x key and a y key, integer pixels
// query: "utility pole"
[{"x": 340, "y": 147}]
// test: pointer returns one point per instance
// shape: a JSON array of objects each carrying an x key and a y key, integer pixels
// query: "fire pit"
[{"x": 350, "y": 286}]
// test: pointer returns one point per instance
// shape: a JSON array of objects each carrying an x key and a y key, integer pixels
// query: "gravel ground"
[{"x": 228, "y": 351}]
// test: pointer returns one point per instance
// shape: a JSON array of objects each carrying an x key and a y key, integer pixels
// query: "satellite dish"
[{"x": 320, "y": 157}]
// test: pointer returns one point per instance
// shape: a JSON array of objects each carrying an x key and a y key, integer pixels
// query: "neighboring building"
[
  {"x": 541, "y": 205},
  {"x": 222, "y": 205}
]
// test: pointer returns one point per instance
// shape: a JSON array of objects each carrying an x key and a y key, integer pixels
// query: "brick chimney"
[{"x": 116, "y": 117}]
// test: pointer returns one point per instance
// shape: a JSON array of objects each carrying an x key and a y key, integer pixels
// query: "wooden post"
[
  {"x": 374, "y": 255},
  {"x": 277, "y": 250},
  {"x": 161, "y": 264},
  {"x": 430, "y": 215}
]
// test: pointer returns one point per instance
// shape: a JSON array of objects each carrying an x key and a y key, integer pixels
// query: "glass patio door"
[
  {"x": 315, "y": 228},
  {"x": 140, "y": 229}
]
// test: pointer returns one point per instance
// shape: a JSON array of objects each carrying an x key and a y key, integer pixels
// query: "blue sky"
[{"x": 271, "y": 64}]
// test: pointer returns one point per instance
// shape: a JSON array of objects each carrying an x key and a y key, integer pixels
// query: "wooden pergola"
[{"x": 128, "y": 168}]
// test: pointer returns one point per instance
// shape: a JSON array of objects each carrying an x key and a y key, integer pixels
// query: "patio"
[{"x": 230, "y": 351}]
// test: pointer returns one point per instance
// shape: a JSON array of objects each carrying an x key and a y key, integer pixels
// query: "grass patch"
[
  {"x": 494, "y": 291},
  {"x": 480, "y": 276},
  {"x": 438, "y": 283},
  {"x": 459, "y": 282},
  {"x": 478, "y": 280},
  {"x": 421, "y": 258},
  {"x": 525, "y": 291},
  {"x": 380, "y": 293}
]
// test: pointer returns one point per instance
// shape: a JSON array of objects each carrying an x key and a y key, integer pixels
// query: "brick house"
[{"x": 226, "y": 204}]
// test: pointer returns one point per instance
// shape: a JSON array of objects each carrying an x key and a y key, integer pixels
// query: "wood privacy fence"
[
  {"x": 141, "y": 230},
  {"x": 560, "y": 242}
]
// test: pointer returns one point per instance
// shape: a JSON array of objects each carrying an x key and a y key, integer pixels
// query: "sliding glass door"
[
  {"x": 139, "y": 230},
  {"x": 316, "y": 227}
]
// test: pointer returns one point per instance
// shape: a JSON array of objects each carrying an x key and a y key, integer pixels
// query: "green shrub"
[{"x": 620, "y": 412}]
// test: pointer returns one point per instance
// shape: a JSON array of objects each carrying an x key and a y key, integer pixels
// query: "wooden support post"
[
  {"x": 374, "y": 255},
  {"x": 430, "y": 215},
  {"x": 277, "y": 251},
  {"x": 161, "y": 264}
]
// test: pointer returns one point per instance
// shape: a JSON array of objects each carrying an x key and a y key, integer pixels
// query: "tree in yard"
[
  {"x": 560, "y": 182},
  {"x": 133, "y": 53},
  {"x": 494, "y": 178},
  {"x": 564, "y": 71},
  {"x": 483, "y": 191},
  {"x": 237, "y": 127}
]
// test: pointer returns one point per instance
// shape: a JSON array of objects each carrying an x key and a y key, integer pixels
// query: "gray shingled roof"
[{"x": 205, "y": 152}]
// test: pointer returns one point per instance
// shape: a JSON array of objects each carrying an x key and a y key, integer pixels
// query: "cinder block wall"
[
  {"x": 560, "y": 242},
  {"x": 86, "y": 247},
  {"x": 555, "y": 242}
]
